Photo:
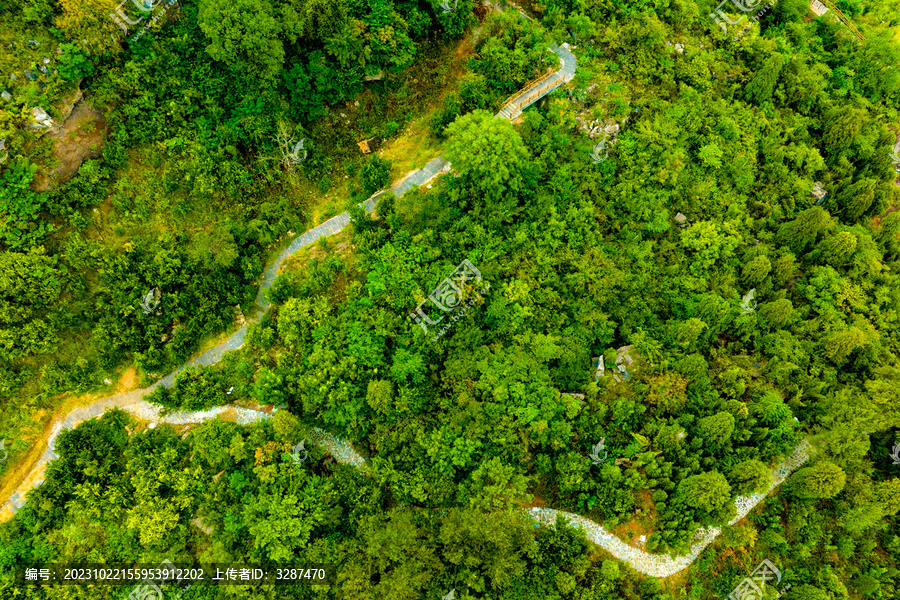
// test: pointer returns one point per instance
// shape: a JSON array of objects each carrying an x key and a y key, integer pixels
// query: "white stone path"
[
  {"x": 133, "y": 402},
  {"x": 643, "y": 562}
]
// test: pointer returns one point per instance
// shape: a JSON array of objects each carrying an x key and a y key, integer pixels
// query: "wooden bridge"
[
  {"x": 522, "y": 100},
  {"x": 843, "y": 19}
]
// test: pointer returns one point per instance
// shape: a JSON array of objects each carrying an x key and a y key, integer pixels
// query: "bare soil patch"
[{"x": 79, "y": 138}]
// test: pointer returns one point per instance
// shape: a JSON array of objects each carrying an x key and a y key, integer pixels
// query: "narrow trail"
[{"x": 133, "y": 402}]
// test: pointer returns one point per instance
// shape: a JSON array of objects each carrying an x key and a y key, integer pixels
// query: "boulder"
[
  {"x": 41, "y": 118},
  {"x": 376, "y": 77}
]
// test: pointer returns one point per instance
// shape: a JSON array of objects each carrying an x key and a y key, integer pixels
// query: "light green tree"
[
  {"x": 821, "y": 481},
  {"x": 777, "y": 314},
  {"x": 749, "y": 477},
  {"x": 709, "y": 492},
  {"x": 760, "y": 88},
  {"x": 379, "y": 395},
  {"x": 280, "y": 523},
  {"x": 756, "y": 270},
  {"x": 489, "y": 155},
  {"x": 243, "y": 34},
  {"x": 496, "y": 486},
  {"x": 717, "y": 429},
  {"x": 838, "y": 249}
]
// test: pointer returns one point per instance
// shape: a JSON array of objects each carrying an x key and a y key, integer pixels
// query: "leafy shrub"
[
  {"x": 37, "y": 11},
  {"x": 74, "y": 63},
  {"x": 268, "y": 388},
  {"x": 449, "y": 111},
  {"x": 389, "y": 129},
  {"x": 195, "y": 388},
  {"x": 375, "y": 174},
  {"x": 20, "y": 205},
  {"x": 284, "y": 286},
  {"x": 474, "y": 92}
]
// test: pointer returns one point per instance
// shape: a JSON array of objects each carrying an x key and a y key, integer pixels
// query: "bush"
[
  {"x": 284, "y": 286},
  {"x": 74, "y": 63},
  {"x": 196, "y": 388},
  {"x": 474, "y": 92},
  {"x": 610, "y": 570},
  {"x": 375, "y": 174},
  {"x": 268, "y": 388},
  {"x": 449, "y": 111},
  {"x": 389, "y": 129}
]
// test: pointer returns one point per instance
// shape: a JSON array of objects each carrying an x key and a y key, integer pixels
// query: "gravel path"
[{"x": 342, "y": 450}]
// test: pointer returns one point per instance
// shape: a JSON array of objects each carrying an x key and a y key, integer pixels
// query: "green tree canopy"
[
  {"x": 491, "y": 159},
  {"x": 244, "y": 34},
  {"x": 821, "y": 481}
]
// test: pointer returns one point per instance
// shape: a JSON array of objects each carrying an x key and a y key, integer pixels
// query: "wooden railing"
[
  {"x": 529, "y": 84},
  {"x": 546, "y": 75},
  {"x": 843, "y": 19}
]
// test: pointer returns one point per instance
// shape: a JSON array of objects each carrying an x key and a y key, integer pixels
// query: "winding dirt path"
[{"x": 133, "y": 401}]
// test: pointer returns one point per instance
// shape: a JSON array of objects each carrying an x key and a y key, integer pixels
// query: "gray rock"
[{"x": 41, "y": 118}]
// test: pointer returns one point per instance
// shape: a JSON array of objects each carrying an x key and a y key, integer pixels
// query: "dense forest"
[{"x": 686, "y": 261}]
